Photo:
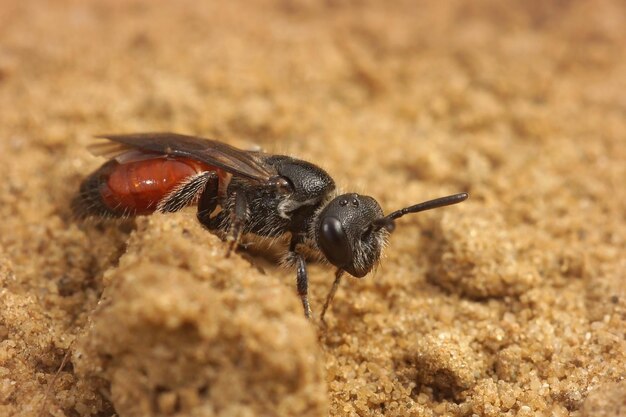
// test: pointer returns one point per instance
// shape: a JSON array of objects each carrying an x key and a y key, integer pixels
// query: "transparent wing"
[{"x": 236, "y": 161}]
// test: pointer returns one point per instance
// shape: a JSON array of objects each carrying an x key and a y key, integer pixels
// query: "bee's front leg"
[{"x": 302, "y": 278}]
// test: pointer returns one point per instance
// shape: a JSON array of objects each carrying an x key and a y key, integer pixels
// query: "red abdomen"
[{"x": 136, "y": 187}]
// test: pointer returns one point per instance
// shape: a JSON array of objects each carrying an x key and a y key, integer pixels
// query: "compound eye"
[{"x": 334, "y": 242}]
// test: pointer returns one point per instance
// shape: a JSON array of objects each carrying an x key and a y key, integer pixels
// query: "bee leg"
[
  {"x": 302, "y": 278},
  {"x": 302, "y": 281},
  {"x": 187, "y": 191},
  {"x": 331, "y": 294},
  {"x": 208, "y": 201},
  {"x": 239, "y": 220}
]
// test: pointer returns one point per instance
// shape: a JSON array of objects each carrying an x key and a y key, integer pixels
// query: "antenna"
[{"x": 387, "y": 222}]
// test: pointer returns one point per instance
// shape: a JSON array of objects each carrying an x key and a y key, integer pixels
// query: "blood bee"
[{"x": 239, "y": 192}]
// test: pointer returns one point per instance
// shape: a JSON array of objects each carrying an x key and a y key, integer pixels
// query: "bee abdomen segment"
[
  {"x": 89, "y": 200},
  {"x": 133, "y": 188}
]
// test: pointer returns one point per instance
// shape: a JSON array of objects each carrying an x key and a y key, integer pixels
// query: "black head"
[
  {"x": 351, "y": 229},
  {"x": 347, "y": 236}
]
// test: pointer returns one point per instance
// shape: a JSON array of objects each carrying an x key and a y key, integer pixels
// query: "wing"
[{"x": 247, "y": 164}]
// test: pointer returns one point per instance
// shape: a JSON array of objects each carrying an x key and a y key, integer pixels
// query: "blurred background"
[{"x": 521, "y": 104}]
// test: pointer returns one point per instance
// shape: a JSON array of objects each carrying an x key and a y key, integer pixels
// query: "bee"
[{"x": 241, "y": 192}]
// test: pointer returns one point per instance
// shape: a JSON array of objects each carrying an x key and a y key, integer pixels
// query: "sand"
[{"x": 510, "y": 304}]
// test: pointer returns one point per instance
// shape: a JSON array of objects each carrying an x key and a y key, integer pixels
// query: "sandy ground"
[{"x": 511, "y": 304}]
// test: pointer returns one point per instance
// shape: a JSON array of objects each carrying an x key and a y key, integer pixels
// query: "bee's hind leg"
[
  {"x": 203, "y": 184},
  {"x": 208, "y": 201}
]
